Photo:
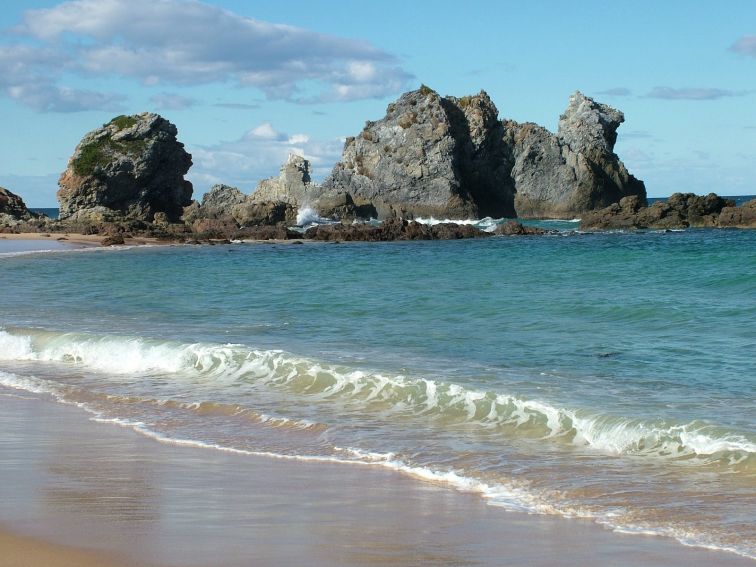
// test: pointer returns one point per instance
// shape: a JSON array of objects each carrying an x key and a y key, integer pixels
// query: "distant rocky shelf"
[{"x": 429, "y": 156}]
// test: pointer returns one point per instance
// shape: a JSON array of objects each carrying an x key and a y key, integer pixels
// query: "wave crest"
[{"x": 445, "y": 404}]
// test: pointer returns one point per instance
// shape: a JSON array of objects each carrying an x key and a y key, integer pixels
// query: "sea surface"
[{"x": 606, "y": 376}]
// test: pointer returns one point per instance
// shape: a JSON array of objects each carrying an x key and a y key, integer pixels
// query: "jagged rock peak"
[
  {"x": 428, "y": 156},
  {"x": 587, "y": 124},
  {"x": 222, "y": 196},
  {"x": 130, "y": 168},
  {"x": 296, "y": 168},
  {"x": 293, "y": 184},
  {"x": 13, "y": 205}
]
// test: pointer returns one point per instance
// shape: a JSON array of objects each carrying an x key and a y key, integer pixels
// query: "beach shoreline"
[
  {"x": 106, "y": 492},
  {"x": 74, "y": 238},
  {"x": 22, "y": 551}
]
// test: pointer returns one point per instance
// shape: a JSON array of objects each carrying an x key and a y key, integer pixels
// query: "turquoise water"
[{"x": 608, "y": 376}]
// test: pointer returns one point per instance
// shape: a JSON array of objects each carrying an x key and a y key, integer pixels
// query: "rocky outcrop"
[
  {"x": 216, "y": 204},
  {"x": 576, "y": 170},
  {"x": 253, "y": 213},
  {"x": 429, "y": 156},
  {"x": 681, "y": 210},
  {"x": 225, "y": 209},
  {"x": 393, "y": 229},
  {"x": 13, "y": 210},
  {"x": 514, "y": 228},
  {"x": 743, "y": 216},
  {"x": 449, "y": 157},
  {"x": 293, "y": 184},
  {"x": 131, "y": 168}
]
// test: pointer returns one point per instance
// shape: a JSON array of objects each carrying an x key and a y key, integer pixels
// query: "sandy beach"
[
  {"x": 21, "y": 551},
  {"x": 105, "y": 492},
  {"x": 72, "y": 238}
]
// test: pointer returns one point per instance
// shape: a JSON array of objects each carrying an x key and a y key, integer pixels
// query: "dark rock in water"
[
  {"x": 114, "y": 240},
  {"x": 13, "y": 210},
  {"x": 263, "y": 232},
  {"x": 254, "y": 213},
  {"x": 514, "y": 228},
  {"x": 743, "y": 216},
  {"x": 681, "y": 210},
  {"x": 576, "y": 170},
  {"x": 131, "y": 168},
  {"x": 393, "y": 229}
]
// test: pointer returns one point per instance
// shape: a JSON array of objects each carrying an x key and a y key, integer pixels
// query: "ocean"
[{"x": 606, "y": 376}]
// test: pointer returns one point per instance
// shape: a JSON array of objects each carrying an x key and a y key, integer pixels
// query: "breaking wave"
[{"x": 442, "y": 403}]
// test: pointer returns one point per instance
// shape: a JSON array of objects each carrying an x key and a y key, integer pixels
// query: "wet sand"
[
  {"x": 72, "y": 238},
  {"x": 105, "y": 489},
  {"x": 20, "y": 551}
]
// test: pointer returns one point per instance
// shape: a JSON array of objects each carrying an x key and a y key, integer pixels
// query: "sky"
[{"x": 248, "y": 82}]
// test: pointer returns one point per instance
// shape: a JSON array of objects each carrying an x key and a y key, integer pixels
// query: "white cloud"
[
  {"x": 264, "y": 131},
  {"x": 188, "y": 42},
  {"x": 616, "y": 91},
  {"x": 24, "y": 76},
  {"x": 170, "y": 101},
  {"x": 745, "y": 45},
  {"x": 258, "y": 154},
  {"x": 692, "y": 93}
]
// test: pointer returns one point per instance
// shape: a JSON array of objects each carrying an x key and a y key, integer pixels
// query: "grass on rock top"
[
  {"x": 99, "y": 152},
  {"x": 122, "y": 122}
]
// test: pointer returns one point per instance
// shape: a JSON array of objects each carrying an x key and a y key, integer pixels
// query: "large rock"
[
  {"x": 743, "y": 216},
  {"x": 13, "y": 209},
  {"x": 217, "y": 203},
  {"x": 429, "y": 156},
  {"x": 293, "y": 184},
  {"x": 574, "y": 171},
  {"x": 450, "y": 157},
  {"x": 131, "y": 168},
  {"x": 681, "y": 210}
]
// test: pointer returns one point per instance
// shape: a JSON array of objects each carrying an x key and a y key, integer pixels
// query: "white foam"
[
  {"x": 78, "y": 250},
  {"x": 230, "y": 363},
  {"x": 307, "y": 216},
  {"x": 509, "y": 495}
]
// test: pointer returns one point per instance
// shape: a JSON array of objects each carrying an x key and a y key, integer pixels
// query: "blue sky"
[{"x": 248, "y": 82}]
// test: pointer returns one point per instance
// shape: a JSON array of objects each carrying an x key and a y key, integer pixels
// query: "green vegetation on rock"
[
  {"x": 122, "y": 122},
  {"x": 99, "y": 152},
  {"x": 425, "y": 90},
  {"x": 90, "y": 156}
]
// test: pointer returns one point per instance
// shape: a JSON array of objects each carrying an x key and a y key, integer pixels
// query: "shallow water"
[{"x": 608, "y": 376}]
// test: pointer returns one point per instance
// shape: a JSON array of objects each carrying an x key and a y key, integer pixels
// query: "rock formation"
[
  {"x": 131, "y": 168},
  {"x": 13, "y": 209},
  {"x": 394, "y": 229},
  {"x": 429, "y": 156},
  {"x": 681, "y": 210},
  {"x": 743, "y": 216},
  {"x": 293, "y": 185},
  {"x": 450, "y": 157},
  {"x": 224, "y": 210},
  {"x": 574, "y": 171}
]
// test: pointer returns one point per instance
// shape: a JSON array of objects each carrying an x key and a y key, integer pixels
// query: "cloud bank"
[
  {"x": 745, "y": 45},
  {"x": 692, "y": 93},
  {"x": 183, "y": 43}
]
